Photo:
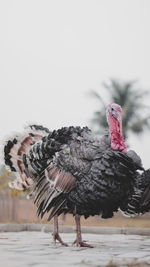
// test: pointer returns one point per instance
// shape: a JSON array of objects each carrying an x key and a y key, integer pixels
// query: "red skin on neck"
[{"x": 117, "y": 139}]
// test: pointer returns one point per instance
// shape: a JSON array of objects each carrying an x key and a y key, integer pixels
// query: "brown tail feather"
[{"x": 14, "y": 148}]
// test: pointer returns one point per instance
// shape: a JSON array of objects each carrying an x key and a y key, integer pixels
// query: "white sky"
[{"x": 52, "y": 52}]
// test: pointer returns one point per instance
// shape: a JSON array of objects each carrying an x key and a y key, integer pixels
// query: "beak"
[{"x": 114, "y": 114}]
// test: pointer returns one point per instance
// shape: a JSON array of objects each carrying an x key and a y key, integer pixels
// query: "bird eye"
[{"x": 112, "y": 109}]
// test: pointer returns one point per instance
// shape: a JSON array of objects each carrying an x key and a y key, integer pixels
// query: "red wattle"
[{"x": 117, "y": 139}]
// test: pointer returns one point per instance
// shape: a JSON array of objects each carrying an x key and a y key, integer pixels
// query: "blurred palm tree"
[{"x": 131, "y": 99}]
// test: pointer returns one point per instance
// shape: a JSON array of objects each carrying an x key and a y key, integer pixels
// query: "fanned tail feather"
[{"x": 15, "y": 147}]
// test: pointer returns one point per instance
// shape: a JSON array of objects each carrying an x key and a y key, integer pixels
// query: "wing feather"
[{"x": 51, "y": 189}]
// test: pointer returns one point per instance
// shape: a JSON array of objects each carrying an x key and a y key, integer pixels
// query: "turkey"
[{"x": 73, "y": 171}]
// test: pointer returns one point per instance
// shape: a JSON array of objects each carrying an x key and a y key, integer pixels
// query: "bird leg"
[
  {"x": 55, "y": 233},
  {"x": 79, "y": 242}
]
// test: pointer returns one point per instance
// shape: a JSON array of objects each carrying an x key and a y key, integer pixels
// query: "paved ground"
[{"x": 37, "y": 249}]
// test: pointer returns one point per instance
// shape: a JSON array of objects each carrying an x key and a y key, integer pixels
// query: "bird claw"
[
  {"x": 57, "y": 237},
  {"x": 82, "y": 244}
]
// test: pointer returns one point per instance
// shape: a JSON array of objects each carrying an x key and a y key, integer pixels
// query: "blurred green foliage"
[{"x": 7, "y": 176}]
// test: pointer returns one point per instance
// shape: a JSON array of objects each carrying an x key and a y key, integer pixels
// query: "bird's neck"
[{"x": 117, "y": 139}]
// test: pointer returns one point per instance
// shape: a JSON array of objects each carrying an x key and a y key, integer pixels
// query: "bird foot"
[
  {"x": 80, "y": 243},
  {"x": 57, "y": 237}
]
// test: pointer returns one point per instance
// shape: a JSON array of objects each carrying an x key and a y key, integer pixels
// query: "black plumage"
[
  {"x": 103, "y": 178},
  {"x": 76, "y": 172}
]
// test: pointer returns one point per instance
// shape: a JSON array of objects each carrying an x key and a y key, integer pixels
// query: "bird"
[{"x": 71, "y": 170}]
